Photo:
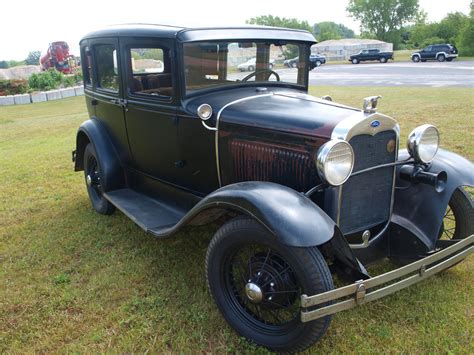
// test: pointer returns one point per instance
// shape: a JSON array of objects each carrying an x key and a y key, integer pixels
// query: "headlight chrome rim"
[
  {"x": 324, "y": 153},
  {"x": 417, "y": 142}
]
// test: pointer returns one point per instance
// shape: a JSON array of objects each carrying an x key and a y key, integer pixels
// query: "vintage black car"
[
  {"x": 371, "y": 55},
  {"x": 301, "y": 187},
  {"x": 439, "y": 52}
]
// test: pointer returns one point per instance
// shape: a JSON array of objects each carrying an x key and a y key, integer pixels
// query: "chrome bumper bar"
[{"x": 360, "y": 292}]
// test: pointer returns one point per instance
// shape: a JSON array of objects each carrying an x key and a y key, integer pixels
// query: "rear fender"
[
  {"x": 419, "y": 209},
  {"x": 94, "y": 132}
]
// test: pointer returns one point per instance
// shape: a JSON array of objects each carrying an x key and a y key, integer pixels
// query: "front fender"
[
  {"x": 418, "y": 208},
  {"x": 290, "y": 216}
]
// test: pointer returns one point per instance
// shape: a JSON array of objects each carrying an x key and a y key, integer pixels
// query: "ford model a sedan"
[{"x": 302, "y": 187}]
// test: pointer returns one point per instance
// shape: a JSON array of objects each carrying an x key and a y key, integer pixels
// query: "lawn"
[{"x": 75, "y": 281}]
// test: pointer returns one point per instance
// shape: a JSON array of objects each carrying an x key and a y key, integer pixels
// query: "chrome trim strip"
[
  {"x": 217, "y": 128},
  {"x": 360, "y": 124},
  {"x": 359, "y": 291},
  {"x": 408, "y": 161}
]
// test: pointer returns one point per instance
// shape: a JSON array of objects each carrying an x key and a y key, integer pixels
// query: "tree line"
[{"x": 400, "y": 22}]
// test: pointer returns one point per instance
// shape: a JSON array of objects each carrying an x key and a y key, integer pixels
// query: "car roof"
[{"x": 185, "y": 34}]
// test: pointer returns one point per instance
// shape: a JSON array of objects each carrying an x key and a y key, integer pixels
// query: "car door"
[
  {"x": 428, "y": 53},
  {"x": 150, "y": 115},
  {"x": 108, "y": 92}
]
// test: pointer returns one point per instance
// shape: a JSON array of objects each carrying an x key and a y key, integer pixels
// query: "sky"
[{"x": 31, "y": 24}]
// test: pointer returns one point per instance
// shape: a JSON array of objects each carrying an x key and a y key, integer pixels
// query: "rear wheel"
[
  {"x": 251, "y": 68},
  {"x": 318, "y": 63},
  {"x": 383, "y": 60},
  {"x": 458, "y": 221},
  {"x": 94, "y": 182},
  {"x": 257, "y": 284}
]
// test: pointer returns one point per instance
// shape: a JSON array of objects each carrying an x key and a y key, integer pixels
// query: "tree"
[
  {"x": 270, "y": 20},
  {"x": 331, "y": 30},
  {"x": 33, "y": 58},
  {"x": 466, "y": 36},
  {"x": 383, "y": 19},
  {"x": 3, "y": 64}
]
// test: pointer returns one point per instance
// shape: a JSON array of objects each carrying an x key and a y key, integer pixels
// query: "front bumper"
[{"x": 360, "y": 292}]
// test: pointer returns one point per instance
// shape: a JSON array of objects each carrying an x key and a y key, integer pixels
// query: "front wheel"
[
  {"x": 458, "y": 221},
  {"x": 257, "y": 284},
  {"x": 415, "y": 59},
  {"x": 318, "y": 63},
  {"x": 355, "y": 61},
  {"x": 441, "y": 58}
]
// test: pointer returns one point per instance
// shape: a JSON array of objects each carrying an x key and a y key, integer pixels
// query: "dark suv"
[
  {"x": 439, "y": 52},
  {"x": 300, "y": 187}
]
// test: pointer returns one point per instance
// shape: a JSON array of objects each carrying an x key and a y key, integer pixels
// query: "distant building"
[{"x": 342, "y": 49}]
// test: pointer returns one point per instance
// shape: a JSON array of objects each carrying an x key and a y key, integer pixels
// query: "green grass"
[{"x": 75, "y": 281}]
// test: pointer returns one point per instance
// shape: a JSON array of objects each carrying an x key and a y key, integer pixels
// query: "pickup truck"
[{"x": 371, "y": 54}]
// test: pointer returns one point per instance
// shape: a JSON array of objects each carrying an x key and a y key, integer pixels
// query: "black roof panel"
[{"x": 201, "y": 34}]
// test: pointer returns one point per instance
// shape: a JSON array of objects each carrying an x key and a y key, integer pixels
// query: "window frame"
[
  {"x": 305, "y": 52},
  {"x": 96, "y": 70},
  {"x": 128, "y": 70}
]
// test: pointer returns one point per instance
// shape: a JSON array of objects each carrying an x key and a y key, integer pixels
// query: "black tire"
[
  {"x": 270, "y": 66},
  {"x": 458, "y": 221},
  {"x": 251, "y": 68},
  {"x": 383, "y": 60},
  {"x": 355, "y": 61},
  {"x": 284, "y": 273},
  {"x": 415, "y": 59},
  {"x": 449, "y": 59},
  {"x": 441, "y": 58},
  {"x": 93, "y": 178},
  {"x": 293, "y": 65},
  {"x": 318, "y": 63}
]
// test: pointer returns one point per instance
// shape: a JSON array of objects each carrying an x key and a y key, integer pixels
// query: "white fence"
[{"x": 42, "y": 96}]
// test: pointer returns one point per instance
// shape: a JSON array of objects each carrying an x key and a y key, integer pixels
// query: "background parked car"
[
  {"x": 370, "y": 55},
  {"x": 315, "y": 60},
  {"x": 439, "y": 52},
  {"x": 250, "y": 65}
]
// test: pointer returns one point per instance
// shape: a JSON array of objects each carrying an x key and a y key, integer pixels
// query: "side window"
[
  {"x": 429, "y": 48},
  {"x": 150, "y": 71},
  {"x": 87, "y": 65},
  {"x": 107, "y": 71}
]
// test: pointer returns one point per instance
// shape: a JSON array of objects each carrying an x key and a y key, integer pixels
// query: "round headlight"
[
  {"x": 335, "y": 161},
  {"x": 204, "y": 112},
  {"x": 423, "y": 143}
]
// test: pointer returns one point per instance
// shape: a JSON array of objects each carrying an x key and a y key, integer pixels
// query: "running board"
[{"x": 152, "y": 215}]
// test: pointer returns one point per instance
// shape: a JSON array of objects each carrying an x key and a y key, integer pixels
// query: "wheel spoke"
[{"x": 263, "y": 265}]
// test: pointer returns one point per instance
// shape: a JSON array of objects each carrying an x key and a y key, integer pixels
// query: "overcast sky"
[{"x": 31, "y": 24}]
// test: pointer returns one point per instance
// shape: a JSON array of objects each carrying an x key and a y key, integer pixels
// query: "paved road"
[{"x": 430, "y": 74}]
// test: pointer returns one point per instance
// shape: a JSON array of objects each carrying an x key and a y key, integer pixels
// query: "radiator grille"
[
  {"x": 292, "y": 167},
  {"x": 366, "y": 198}
]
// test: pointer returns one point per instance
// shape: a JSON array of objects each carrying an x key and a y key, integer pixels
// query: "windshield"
[{"x": 217, "y": 63}]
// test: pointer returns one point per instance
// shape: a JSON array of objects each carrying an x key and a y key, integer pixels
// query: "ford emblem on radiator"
[{"x": 374, "y": 124}]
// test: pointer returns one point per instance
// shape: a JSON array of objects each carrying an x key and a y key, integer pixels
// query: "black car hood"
[{"x": 278, "y": 110}]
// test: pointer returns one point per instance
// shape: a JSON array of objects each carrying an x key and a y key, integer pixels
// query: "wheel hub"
[{"x": 253, "y": 292}]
